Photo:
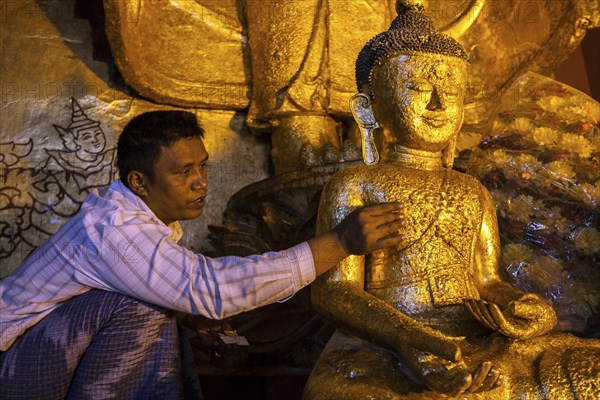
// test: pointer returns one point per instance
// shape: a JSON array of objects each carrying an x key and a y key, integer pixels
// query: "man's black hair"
[{"x": 143, "y": 138}]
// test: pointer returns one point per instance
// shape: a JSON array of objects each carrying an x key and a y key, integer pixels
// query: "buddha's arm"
[
  {"x": 492, "y": 285},
  {"x": 344, "y": 302},
  {"x": 506, "y": 309}
]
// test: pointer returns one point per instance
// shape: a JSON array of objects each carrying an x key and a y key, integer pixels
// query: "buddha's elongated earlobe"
[
  {"x": 448, "y": 154},
  {"x": 360, "y": 105}
]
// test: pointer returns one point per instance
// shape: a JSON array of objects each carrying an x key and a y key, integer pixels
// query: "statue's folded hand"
[
  {"x": 454, "y": 378},
  {"x": 528, "y": 317}
]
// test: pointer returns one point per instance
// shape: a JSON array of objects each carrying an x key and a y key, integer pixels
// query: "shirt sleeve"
[{"x": 142, "y": 261}]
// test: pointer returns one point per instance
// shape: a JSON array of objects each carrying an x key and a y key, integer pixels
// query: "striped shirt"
[{"x": 116, "y": 243}]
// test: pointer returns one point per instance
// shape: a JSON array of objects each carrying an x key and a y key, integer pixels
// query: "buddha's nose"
[{"x": 435, "y": 103}]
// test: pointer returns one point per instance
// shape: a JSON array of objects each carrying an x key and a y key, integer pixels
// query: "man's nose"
[
  {"x": 200, "y": 182},
  {"x": 435, "y": 103}
]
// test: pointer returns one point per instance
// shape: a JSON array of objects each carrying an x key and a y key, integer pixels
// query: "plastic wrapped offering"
[{"x": 541, "y": 164}]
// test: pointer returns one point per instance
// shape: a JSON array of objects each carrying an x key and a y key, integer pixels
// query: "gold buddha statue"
[{"x": 434, "y": 317}]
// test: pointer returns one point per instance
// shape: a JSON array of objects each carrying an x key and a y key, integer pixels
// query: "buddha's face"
[{"x": 419, "y": 99}]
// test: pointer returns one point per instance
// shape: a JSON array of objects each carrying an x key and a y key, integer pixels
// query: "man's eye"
[{"x": 186, "y": 171}]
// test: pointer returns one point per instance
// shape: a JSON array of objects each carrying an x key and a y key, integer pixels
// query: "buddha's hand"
[
  {"x": 452, "y": 378},
  {"x": 527, "y": 317}
]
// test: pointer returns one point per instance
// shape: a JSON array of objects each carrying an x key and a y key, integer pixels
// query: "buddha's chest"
[
  {"x": 434, "y": 264},
  {"x": 438, "y": 207}
]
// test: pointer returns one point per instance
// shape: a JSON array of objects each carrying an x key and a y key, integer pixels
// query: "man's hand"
[
  {"x": 371, "y": 228},
  {"x": 361, "y": 232}
]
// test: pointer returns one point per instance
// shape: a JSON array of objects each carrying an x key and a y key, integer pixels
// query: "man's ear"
[
  {"x": 360, "y": 105},
  {"x": 137, "y": 183}
]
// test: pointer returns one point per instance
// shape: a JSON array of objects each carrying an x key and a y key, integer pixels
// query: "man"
[{"x": 87, "y": 314}]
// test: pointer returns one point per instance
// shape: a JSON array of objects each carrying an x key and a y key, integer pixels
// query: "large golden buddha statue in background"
[
  {"x": 435, "y": 316},
  {"x": 287, "y": 65}
]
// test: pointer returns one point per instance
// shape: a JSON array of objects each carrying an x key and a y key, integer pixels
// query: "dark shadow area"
[
  {"x": 273, "y": 387},
  {"x": 582, "y": 69},
  {"x": 591, "y": 55},
  {"x": 59, "y": 13}
]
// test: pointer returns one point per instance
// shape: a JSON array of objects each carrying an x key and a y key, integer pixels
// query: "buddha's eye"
[
  {"x": 451, "y": 91},
  {"x": 419, "y": 86}
]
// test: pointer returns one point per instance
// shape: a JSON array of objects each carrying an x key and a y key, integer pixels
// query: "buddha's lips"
[{"x": 435, "y": 121}]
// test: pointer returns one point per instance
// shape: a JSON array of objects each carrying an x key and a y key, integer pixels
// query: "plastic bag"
[{"x": 541, "y": 163}]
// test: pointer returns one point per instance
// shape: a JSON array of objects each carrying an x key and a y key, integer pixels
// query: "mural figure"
[
  {"x": 84, "y": 162},
  {"x": 57, "y": 184},
  {"x": 12, "y": 202}
]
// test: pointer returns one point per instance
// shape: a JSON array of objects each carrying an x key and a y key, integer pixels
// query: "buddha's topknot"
[{"x": 411, "y": 31}]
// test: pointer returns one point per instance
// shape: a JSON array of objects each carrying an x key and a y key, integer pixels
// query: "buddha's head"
[{"x": 411, "y": 83}]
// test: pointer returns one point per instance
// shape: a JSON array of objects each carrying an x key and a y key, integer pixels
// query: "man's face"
[
  {"x": 419, "y": 97},
  {"x": 178, "y": 189}
]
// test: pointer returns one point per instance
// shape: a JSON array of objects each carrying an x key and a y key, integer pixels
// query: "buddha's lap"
[{"x": 555, "y": 365}]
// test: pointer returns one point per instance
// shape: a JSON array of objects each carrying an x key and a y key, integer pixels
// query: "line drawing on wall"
[{"x": 37, "y": 197}]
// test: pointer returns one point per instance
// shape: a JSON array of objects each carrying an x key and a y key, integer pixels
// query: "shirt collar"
[
  {"x": 176, "y": 231},
  {"x": 119, "y": 186}
]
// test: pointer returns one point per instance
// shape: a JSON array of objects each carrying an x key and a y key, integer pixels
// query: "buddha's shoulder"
[
  {"x": 368, "y": 173},
  {"x": 347, "y": 177},
  {"x": 463, "y": 184},
  {"x": 465, "y": 179},
  {"x": 358, "y": 174},
  {"x": 354, "y": 170}
]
